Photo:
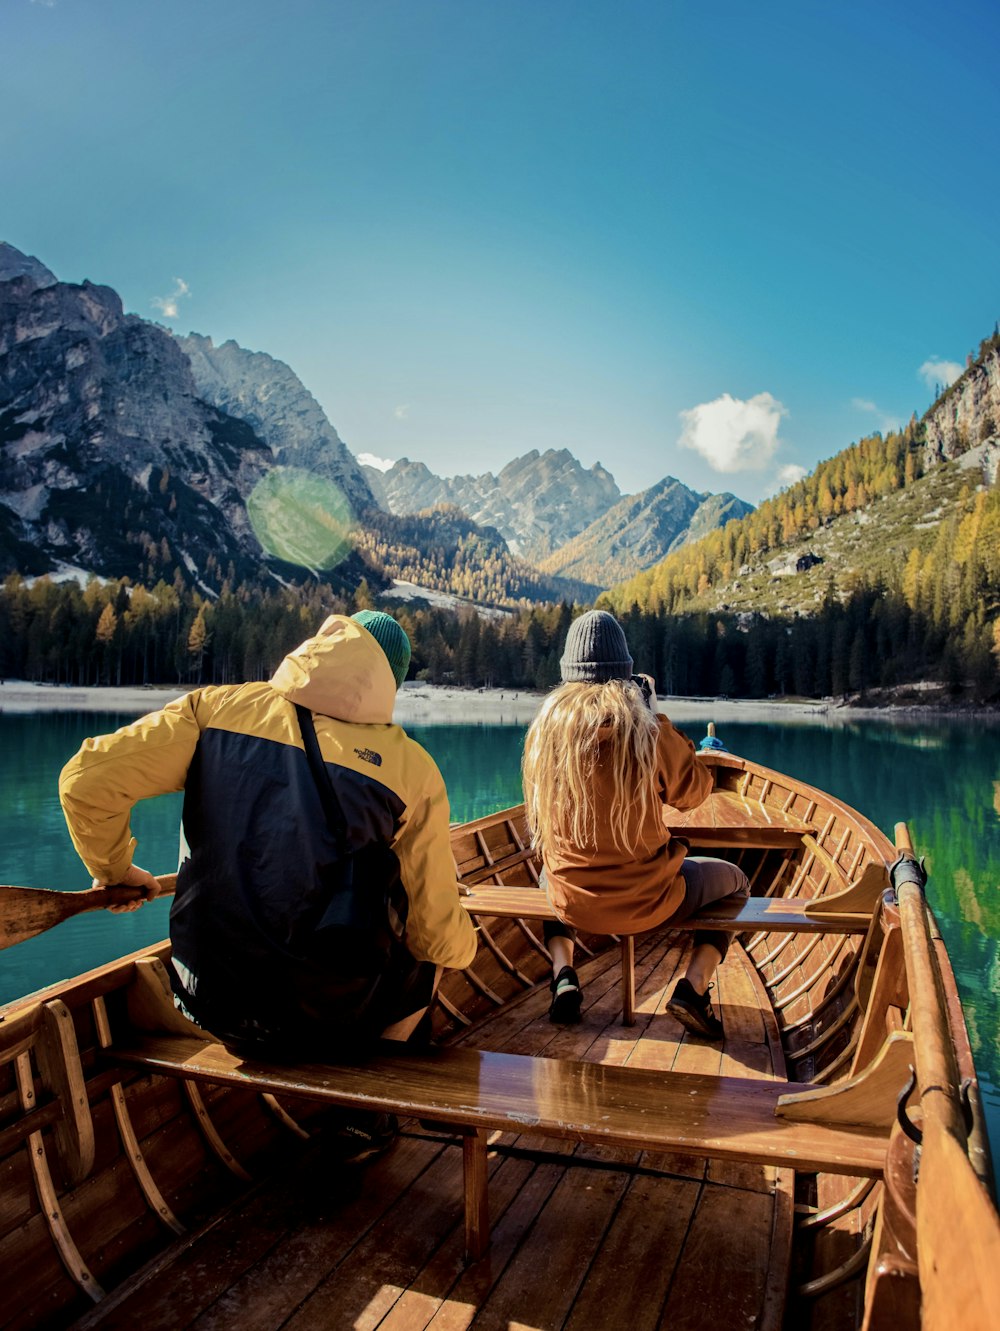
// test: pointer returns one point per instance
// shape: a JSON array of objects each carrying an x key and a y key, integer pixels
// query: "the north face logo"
[{"x": 369, "y": 756}]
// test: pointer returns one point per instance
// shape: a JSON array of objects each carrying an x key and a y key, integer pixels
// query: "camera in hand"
[{"x": 643, "y": 683}]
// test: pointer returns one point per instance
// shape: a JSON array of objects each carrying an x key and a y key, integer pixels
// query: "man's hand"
[{"x": 134, "y": 877}]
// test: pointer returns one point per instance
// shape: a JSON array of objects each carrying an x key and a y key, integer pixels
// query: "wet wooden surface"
[
  {"x": 774, "y": 914},
  {"x": 725, "y": 1117},
  {"x": 584, "y": 1236},
  {"x": 728, "y": 819}
]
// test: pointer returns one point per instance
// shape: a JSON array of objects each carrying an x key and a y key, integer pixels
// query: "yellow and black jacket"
[{"x": 250, "y": 888}]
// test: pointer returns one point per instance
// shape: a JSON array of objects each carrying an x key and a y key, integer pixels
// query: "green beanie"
[{"x": 390, "y": 637}]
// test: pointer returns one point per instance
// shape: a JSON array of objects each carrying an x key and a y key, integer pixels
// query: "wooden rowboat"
[{"x": 614, "y": 1173}]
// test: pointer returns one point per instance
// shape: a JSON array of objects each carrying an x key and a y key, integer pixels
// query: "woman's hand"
[
  {"x": 648, "y": 685},
  {"x": 134, "y": 876}
]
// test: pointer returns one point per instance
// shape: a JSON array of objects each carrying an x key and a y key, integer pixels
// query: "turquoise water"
[{"x": 943, "y": 778}]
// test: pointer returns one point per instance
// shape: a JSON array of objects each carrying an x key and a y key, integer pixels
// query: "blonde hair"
[{"x": 576, "y": 724}]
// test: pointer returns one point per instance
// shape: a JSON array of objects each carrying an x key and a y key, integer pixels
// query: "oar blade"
[{"x": 28, "y": 911}]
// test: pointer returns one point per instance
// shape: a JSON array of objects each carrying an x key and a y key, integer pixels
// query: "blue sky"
[{"x": 715, "y": 241}]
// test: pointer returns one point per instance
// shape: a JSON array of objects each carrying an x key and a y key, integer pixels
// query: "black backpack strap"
[{"x": 331, "y": 805}]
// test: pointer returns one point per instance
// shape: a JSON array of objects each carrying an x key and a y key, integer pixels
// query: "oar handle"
[
  {"x": 119, "y": 895},
  {"x": 904, "y": 846},
  {"x": 28, "y": 911}
]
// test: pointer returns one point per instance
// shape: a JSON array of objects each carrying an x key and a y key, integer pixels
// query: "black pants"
[{"x": 403, "y": 989}]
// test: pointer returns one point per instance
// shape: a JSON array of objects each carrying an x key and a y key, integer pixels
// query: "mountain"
[
  {"x": 128, "y": 452},
  {"x": 537, "y": 503},
  {"x": 109, "y": 459},
  {"x": 15, "y": 264},
  {"x": 640, "y": 529},
  {"x": 443, "y": 550},
  {"x": 968, "y": 413},
  {"x": 567, "y": 520},
  {"x": 272, "y": 399}
]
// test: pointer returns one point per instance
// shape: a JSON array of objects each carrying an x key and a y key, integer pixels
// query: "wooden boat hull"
[{"x": 122, "y": 1187}]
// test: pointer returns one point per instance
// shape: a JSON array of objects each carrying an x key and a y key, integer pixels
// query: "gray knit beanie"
[{"x": 596, "y": 650}]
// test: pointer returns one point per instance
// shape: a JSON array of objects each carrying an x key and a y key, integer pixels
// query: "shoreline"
[{"x": 443, "y": 704}]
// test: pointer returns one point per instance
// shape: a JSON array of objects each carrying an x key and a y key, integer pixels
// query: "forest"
[{"x": 118, "y": 634}]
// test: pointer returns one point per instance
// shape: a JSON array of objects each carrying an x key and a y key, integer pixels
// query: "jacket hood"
[{"x": 341, "y": 672}]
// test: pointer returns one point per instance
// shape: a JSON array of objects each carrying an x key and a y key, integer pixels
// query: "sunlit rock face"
[
  {"x": 537, "y": 502},
  {"x": 566, "y": 519},
  {"x": 966, "y": 419},
  {"x": 109, "y": 458},
  {"x": 642, "y": 529},
  {"x": 270, "y": 397},
  {"x": 15, "y": 264}
]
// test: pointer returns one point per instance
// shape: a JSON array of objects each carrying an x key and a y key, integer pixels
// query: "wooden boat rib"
[{"x": 134, "y": 1198}]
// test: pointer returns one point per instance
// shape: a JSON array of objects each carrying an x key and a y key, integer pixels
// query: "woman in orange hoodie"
[{"x": 600, "y": 764}]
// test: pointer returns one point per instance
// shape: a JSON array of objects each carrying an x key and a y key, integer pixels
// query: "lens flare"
[{"x": 301, "y": 518}]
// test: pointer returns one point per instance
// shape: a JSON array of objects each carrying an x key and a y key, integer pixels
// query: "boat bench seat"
[
  {"x": 754, "y": 914},
  {"x": 731, "y": 1118},
  {"x": 849, "y": 911}
]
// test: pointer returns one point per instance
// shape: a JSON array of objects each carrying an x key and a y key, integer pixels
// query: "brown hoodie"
[{"x": 604, "y": 891}]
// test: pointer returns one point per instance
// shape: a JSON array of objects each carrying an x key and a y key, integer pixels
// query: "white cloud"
[
  {"x": 370, "y": 460},
  {"x": 402, "y": 411},
  {"x": 935, "y": 372},
  {"x": 733, "y": 435},
  {"x": 168, "y": 305},
  {"x": 790, "y": 473},
  {"x": 887, "y": 422}
]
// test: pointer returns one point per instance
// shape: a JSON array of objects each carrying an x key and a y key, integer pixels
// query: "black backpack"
[{"x": 355, "y": 948}]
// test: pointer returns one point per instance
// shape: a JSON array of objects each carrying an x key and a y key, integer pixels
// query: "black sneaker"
[
  {"x": 363, "y": 1136},
  {"x": 566, "y": 997},
  {"x": 694, "y": 1011}
]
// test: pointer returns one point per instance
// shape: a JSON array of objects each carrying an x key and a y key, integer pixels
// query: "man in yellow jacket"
[{"x": 259, "y": 952}]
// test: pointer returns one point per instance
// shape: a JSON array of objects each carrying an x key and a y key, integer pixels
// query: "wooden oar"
[{"x": 27, "y": 911}]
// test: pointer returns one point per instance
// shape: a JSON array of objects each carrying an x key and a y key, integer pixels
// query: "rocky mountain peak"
[
  {"x": 537, "y": 502},
  {"x": 965, "y": 420},
  {"x": 638, "y": 530},
  {"x": 13, "y": 263},
  {"x": 270, "y": 397},
  {"x": 109, "y": 460}
]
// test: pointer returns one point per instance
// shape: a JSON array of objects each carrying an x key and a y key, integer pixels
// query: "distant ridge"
[
  {"x": 568, "y": 520},
  {"x": 537, "y": 502},
  {"x": 640, "y": 529}
]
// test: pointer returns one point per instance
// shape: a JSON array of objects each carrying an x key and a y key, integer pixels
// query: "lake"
[{"x": 942, "y": 777}]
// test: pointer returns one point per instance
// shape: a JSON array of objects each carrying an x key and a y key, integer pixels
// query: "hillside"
[
  {"x": 444, "y": 551},
  {"x": 857, "y": 516},
  {"x": 906, "y": 528},
  {"x": 635, "y": 532}
]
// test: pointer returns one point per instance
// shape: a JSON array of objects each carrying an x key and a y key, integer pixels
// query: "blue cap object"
[{"x": 710, "y": 742}]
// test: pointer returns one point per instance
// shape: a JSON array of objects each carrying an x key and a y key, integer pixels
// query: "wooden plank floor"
[{"x": 582, "y": 1238}]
